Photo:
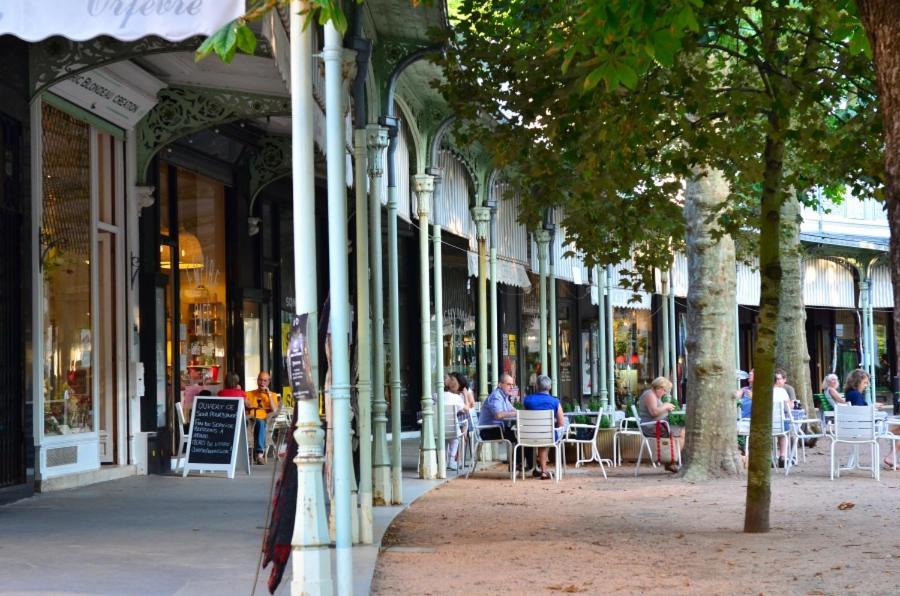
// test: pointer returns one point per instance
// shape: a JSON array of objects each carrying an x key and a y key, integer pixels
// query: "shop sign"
[
  {"x": 217, "y": 436},
  {"x": 127, "y": 20},
  {"x": 105, "y": 94},
  {"x": 298, "y": 359}
]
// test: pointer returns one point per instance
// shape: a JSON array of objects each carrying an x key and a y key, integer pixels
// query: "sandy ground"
[{"x": 654, "y": 534}]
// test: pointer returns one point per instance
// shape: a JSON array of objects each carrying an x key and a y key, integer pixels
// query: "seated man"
[
  {"x": 542, "y": 400},
  {"x": 498, "y": 410},
  {"x": 259, "y": 404}
]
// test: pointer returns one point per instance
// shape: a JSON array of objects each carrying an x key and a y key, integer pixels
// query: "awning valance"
[
  {"x": 508, "y": 272},
  {"x": 127, "y": 20}
]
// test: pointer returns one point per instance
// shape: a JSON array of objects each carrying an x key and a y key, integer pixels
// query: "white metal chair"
[
  {"x": 536, "y": 428},
  {"x": 477, "y": 441},
  {"x": 626, "y": 430},
  {"x": 452, "y": 431},
  {"x": 652, "y": 424},
  {"x": 855, "y": 425},
  {"x": 778, "y": 431},
  {"x": 887, "y": 435},
  {"x": 278, "y": 423},
  {"x": 588, "y": 437},
  {"x": 183, "y": 438}
]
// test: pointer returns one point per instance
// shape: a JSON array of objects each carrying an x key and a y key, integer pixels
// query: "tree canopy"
[{"x": 605, "y": 107}]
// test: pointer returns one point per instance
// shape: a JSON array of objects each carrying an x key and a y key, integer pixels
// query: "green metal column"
[
  {"x": 338, "y": 277},
  {"x": 423, "y": 185},
  {"x": 610, "y": 337},
  {"x": 364, "y": 333},
  {"x": 554, "y": 325},
  {"x": 866, "y": 333},
  {"x": 482, "y": 217},
  {"x": 542, "y": 238},
  {"x": 601, "y": 332},
  {"x": 495, "y": 347},
  {"x": 376, "y": 142},
  {"x": 673, "y": 344},
  {"x": 311, "y": 556},
  {"x": 394, "y": 323},
  {"x": 438, "y": 323},
  {"x": 664, "y": 335}
]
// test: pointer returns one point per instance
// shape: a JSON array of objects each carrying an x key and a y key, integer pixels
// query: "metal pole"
[
  {"x": 482, "y": 217},
  {"x": 423, "y": 184},
  {"x": 495, "y": 348},
  {"x": 602, "y": 354},
  {"x": 377, "y": 141},
  {"x": 673, "y": 348},
  {"x": 554, "y": 326},
  {"x": 542, "y": 238},
  {"x": 664, "y": 335},
  {"x": 438, "y": 325},
  {"x": 310, "y": 542},
  {"x": 610, "y": 333},
  {"x": 864, "y": 307},
  {"x": 737, "y": 340},
  {"x": 394, "y": 322},
  {"x": 364, "y": 333},
  {"x": 333, "y": 56}
]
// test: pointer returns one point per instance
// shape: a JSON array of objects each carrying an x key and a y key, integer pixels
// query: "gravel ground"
[{"x": 654, "y": 534}]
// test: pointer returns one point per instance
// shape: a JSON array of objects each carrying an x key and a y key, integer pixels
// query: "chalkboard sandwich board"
[{"x": 217, "y": 438}]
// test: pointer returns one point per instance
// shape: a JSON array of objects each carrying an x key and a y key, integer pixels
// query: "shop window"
[
  {"x": 66, "y": 269},
  {"x": 631, "y": 345},
  {"x": 197, "y": 252}
]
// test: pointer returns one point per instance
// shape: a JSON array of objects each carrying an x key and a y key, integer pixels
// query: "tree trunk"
[
  {"x": 792, "y": 353},
  {"x": 759, "y": 490},
  {"x": 710, "y": 446},
  {"x": 882, "y": 21}
]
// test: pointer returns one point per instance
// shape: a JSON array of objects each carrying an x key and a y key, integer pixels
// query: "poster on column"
[
  {"x": 217, "y": 437},
  {"x": 298, "y": 360}
]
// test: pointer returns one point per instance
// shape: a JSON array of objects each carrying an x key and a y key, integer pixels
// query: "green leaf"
[
  {"x": 686, "y": 20},
  {"x": 627, "y": 75},
  {"x": 227, "y": 45},
  {"x": 595, "y": 76},
  {"x": 246, "y": 40},
  {"x": 859, "y": 43},
  {"x": 211, "y": 43},
  {"x": 570, "y": 54}
]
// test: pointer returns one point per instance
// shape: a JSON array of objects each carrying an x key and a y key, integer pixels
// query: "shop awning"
[
  {"x": 127, "y": 20},
  {"x": 508, "y": 272}
]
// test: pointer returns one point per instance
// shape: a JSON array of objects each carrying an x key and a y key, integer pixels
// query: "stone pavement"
[{"x": 158, "y": 535}]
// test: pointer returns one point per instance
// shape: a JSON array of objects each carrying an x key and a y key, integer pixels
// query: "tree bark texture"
[
  {"x": 759, "y": 489},
  {"x": 710, "y": 446},
  {"x": 792, "y": 352},
  {"x": 881, "y": 19}
]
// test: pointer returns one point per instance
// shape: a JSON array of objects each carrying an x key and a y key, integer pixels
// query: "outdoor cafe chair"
[
  {"x": 588, "y": 436},
  {"x": 453, "y": 431},
  {"x": 625, "y": 430},
  {"x": 478, "y": 441},
  {"x": 855, "y": 425},
  {"x": 536, "y": 428},
  {"x": 886, "y": 435},
  {"x": 778, "y": 431}
]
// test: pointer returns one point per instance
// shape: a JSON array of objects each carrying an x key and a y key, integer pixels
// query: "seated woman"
[
  {"x": 454, "y": 396},
  {"x": 830, "y": 389},
  {"x": 650, "y": 408},
  {"x": 542, "y": 400},
  {"x": 855, "y": 388}
]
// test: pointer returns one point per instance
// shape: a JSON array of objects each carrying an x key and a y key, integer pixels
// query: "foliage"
[
  {"x": 237, "y": 36},
  {"x": 685, "y": 85}
]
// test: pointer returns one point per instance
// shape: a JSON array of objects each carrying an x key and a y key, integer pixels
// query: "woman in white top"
[
  {"x": 830, "y": 386},
  {"x": 780, "y": 399},
  {"x": 454, "y": 396}
]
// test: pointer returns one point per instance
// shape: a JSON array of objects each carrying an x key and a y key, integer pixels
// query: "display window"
[
  {"x": 192, "y": 257},
  {"x": 81, "y": 240},
  {"x": 632, "y": 345}
]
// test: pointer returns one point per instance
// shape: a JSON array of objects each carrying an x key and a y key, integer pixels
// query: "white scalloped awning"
[
  {"x": 508, "y": 272},
  {"x": 127, "y": 20}
]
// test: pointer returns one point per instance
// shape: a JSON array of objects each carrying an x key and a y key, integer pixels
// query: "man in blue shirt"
[
  {"x": 498, "y": 409},
  {"x": 542, "y": 400}
]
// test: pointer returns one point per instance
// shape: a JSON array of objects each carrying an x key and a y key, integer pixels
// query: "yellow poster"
[
  {"x": 287, "y": 397},
  {"x": 285, "y": 334}
]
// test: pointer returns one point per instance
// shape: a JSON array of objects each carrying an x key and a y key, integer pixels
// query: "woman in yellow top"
[{"x": 259, "y": 404}]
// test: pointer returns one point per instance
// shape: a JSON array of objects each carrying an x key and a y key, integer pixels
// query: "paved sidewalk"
[{"x": 157, "y": 535}]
